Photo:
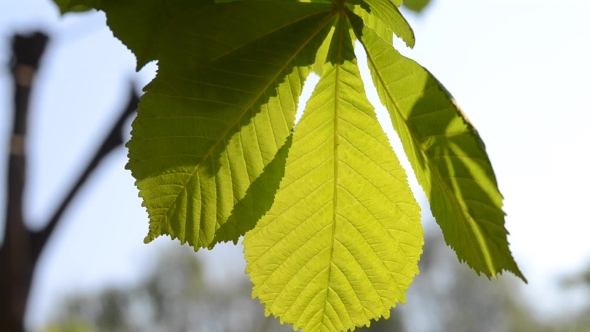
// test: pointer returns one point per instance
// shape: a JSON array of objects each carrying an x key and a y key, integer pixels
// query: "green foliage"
[
  {"x": 141, "y": 25},
  {"x": 341, "y": 243},
  {"x": 205, "y": 132},
  {"x": 66, "y": 6},
  {"x": 391, "y": 18},
  {"x": 416, "y": 5},
  {"x": 173, "y": 296},
  {"x": 447, "y": 155},
  {"x": 333, "y": 233},
  {"x": 73, "y": 325}
]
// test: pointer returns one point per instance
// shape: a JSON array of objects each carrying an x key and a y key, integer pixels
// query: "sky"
[{"x": 518, "y": 69}]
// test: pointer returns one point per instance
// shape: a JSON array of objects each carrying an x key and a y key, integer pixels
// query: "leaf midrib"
[{"x": 335, "y": 159}]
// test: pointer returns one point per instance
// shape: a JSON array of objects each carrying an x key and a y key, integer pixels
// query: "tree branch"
[
  {"x": 113, "y": 140},
  {"x": 15, "y": 253},
  {"x": 21, "y": 247}
]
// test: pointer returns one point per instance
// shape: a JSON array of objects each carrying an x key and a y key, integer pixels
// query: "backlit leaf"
[
  {"x": 447, "y": 155},
  {"x": 212, "y": 120},
  {"x": 392, "y": 19},
  {"x": 341, "y": 243},
  {"x": 139, "y": 23},
  {"x": 257, "y": 200},
  {"x": 333, "y": 233},
  {"x": 416, "y": 5},
  {"x": 374, "y": 23}
]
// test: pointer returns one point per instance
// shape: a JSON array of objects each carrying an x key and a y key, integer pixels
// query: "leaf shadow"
[
  {"x": 205, "y": 131},
  {"x": 258, "y": 199},
  {"x": 212, "y": 103}
]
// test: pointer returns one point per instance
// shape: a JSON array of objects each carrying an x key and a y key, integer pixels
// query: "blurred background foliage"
[
  {"x": 446, "y": 296},
  {"x": 173, "y": 297}
]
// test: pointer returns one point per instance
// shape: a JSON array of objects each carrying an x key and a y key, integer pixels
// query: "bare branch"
[{"x": 113, "y": 140}]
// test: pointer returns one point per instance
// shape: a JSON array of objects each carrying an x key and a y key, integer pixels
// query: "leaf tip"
[
  {"x": 516, "y": 272},
  {"x": 149, "y": 238},
  {"x": 153, "y": 233},
  {"x": 141, "y": 63}
]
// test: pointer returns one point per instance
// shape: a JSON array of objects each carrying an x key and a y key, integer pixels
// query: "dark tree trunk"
[
  {"x": 21, "y": 248},
  {"x": 15, "y": 255}
]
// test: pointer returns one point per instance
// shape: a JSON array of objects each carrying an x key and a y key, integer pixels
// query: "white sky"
[{"x": 518, "y": 68}]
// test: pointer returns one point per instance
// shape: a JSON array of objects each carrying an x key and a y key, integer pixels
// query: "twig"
[{"x": 113, "y": 140}]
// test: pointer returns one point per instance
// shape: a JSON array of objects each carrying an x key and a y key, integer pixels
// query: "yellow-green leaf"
[
  {"x": 390, "y": 18},
  {"x": 341, "y": 243},
  {"x": 416, "y": 5}
]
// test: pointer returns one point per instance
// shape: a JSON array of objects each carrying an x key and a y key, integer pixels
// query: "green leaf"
[
  {"x": 320, "y": 59},
  {"x": 416, "y": 5},
  {"x": 201, "y": 35},
  {"x": 204, "y": 133},
  {"x": 447, "y": 155},
  {"x": 74, "y": 6},
  {"x": 374, "y": 23},
  {"x": 139, "y": 23},
  {"x": 257, "y": 200},
  {"x": 392, "y": 19},
  {"x": 142, "y": 24},
  {"x": 341, "y": 243}
]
